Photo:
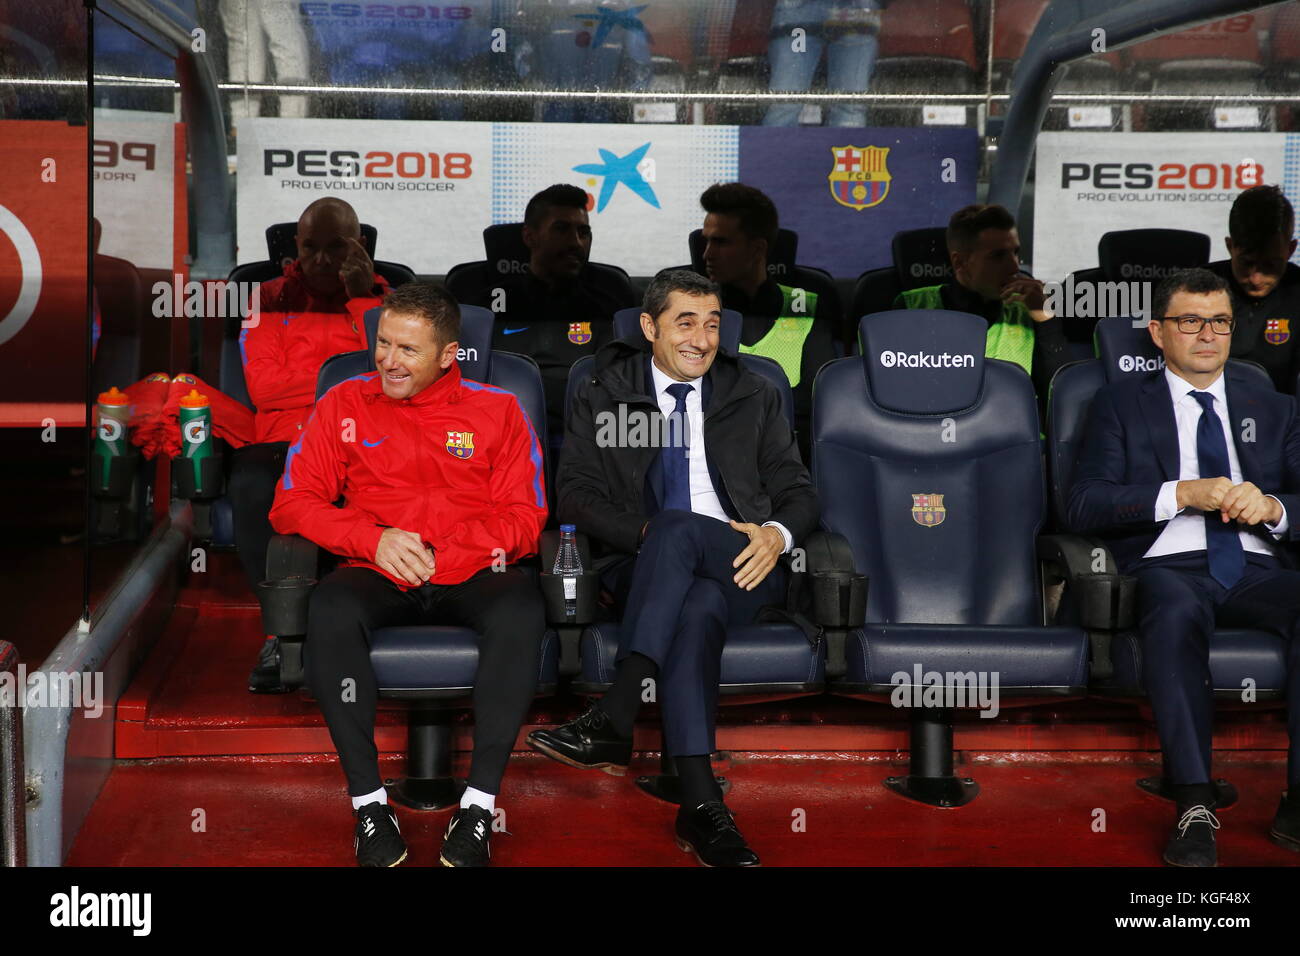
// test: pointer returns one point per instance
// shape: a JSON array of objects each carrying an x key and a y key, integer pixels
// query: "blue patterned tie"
[
  {"x": 1223, "y": 549},
  {"x": 673, "y": 458}
]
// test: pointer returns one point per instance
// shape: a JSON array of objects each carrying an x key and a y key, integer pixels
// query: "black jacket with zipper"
[{"x": 752, "y": 455}]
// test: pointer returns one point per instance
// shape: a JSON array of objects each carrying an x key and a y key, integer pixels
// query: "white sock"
[
  {"x": 477, "y": 798},
  {"x": 379, "y": 796}
]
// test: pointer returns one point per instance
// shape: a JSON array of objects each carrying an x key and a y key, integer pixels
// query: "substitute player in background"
[{"x": 1264, "y": 283}]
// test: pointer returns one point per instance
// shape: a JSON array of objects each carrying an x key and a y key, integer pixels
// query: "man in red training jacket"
[
  {"x": 442, "y": 489},
  {"x": 313, "y": 311}
]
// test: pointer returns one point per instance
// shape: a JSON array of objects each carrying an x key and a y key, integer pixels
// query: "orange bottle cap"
[
  {"x": 194, "y": 400},
  {"x": 114, "y": 397}
]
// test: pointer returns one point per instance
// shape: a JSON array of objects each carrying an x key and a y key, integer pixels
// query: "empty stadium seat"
[
  {"x": 507, "y": 254},
  {"x": 920, "y": 259},
  {"x": 1138, "y": 255},
  {"x": 1219, "y": 59},
  {"x": 944, "y": 530},
  {"x": 926, "y": 46},
  {"x": 431, "y": 666},
  {"x": 1013, "y": 24},
  {"x": 1122, "y": 350}
]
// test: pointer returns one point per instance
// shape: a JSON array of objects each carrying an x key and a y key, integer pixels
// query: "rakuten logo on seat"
[
  {"x": 895, "y": 359},
  {"x": 1138, "y": 363},
  {"x": 929, "y": 270}
]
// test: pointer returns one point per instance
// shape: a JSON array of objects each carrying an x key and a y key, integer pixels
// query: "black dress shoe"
[
  {"x": 589, "y": 743},
  {"x": 1285, "y": 831},
  {"x": 265, "y": 677},
  {"x": 1192, "y": 840},
  {"x": 709, "y": 831}
]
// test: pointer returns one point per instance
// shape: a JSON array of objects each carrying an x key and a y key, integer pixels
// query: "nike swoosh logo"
[
  {"x": 513, "y": 331},
  {"x": 372, "y": 444}
]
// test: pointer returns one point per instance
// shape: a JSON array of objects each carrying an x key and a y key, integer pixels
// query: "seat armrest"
[
  {"x": 292, "y": 567},
  {"x": 827, "y": 587},
  {"x": 1092, "y": 593}
]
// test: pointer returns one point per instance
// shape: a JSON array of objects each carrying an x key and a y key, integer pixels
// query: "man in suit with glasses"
[{"x": 1192, "y": 476}]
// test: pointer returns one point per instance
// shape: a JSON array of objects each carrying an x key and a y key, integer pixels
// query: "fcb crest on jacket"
[
  {"x": 579, "y": 333},
  {"x": 1277, "y": 331},
  {"x": 928, "y": 510},
  {"x": 461, "y": 444},
  {"x": 859, "y": 177}
]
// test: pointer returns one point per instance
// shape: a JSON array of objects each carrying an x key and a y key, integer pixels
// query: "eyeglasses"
[{"x": 1193, "y": 324}]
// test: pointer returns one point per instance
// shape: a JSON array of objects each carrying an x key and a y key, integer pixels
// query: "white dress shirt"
[
  {"x": 704, "y": 499},
  {"x": 1186, "y": 529}
]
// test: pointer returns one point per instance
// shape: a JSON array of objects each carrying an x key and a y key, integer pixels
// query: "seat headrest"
[
  {"x": 505, "y": 248},
  {"x": 1125, "y": 350},
  {"x": 780, "y": 258},
  {"x": 1150, "y": 254},
  {"x": 282, "y": 244},
  {"x": 475, "y": 352},
  {"x": 921, "y": 257},
  {"x": 923, "y": 361},
  {"x": 627, "y": 325}
]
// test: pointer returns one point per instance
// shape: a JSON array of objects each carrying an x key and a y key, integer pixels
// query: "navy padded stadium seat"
[
  {"x": 1125, "y": 350},
  {"x": 945, "y": 530},
  {"x": 1138, "y": 255},
  {"x": 920, "y": 259}
]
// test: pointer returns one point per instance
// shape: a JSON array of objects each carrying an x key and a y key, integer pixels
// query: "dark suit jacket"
[
  {"x": 610, "y": 492},
  {"x": 1130, "y": 449}
]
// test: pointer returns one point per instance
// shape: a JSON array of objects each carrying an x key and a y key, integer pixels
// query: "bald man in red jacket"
[{"x": 313, "y": 311}]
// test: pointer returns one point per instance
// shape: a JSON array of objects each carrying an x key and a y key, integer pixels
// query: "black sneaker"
[
  {"x": 1192, "y": 841},
  {"x": 1285, "y": 831},
  {"x": 589, "y": 743},
  {"x": 466, "y": 841},
  {"x": 265, "y": 678},
  {"x": 378, "y": 842}
]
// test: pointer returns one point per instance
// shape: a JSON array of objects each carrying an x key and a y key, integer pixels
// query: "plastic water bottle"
[{"x": 568, "y": 564}]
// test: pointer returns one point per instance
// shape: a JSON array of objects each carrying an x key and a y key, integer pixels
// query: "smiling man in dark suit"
[
  {"x": 691, "y": 528},
  {"x": 1191, "y": 475}
]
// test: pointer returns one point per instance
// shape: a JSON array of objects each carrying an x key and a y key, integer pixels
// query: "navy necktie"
[
  {"x": 1223, "y": 550},
  {"x": 674, "y": 457}
]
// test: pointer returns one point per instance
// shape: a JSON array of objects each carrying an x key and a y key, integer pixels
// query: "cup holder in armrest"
[
  {"x": 839, "y": 598},
  {"x": 1106, "y": 602},
  {"x": 284, "y": 605}
]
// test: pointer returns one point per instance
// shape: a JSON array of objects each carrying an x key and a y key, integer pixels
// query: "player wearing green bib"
[
  {"x": 984, "y": 249},
  {"x": 785, "y": 323}
]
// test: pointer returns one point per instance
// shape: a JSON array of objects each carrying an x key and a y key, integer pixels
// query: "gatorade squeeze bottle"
[
  {"x": 196, "y": 433},
  {"x": 113, "y": 411}
]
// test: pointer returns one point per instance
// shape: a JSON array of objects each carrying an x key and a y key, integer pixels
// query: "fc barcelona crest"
[
  {"x": 1277, "y": 331},
  {"x": 928, "y": 510},
  {"x": 860, "y": 176},
  {"x": 579, "y": 333},
  {"x": 461, "y": 444}
]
